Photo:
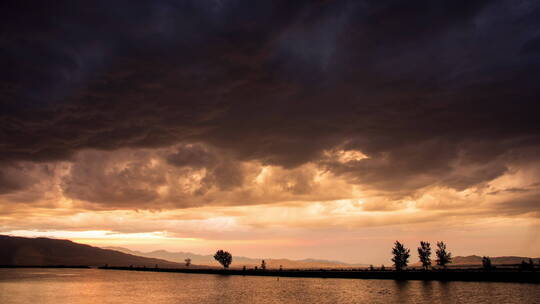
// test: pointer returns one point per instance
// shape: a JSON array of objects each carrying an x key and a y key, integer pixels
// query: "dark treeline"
[{"x": 401, "y": 257}]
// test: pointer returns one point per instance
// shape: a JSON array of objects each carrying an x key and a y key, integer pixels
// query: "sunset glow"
[{"x": 283, "y": 129}]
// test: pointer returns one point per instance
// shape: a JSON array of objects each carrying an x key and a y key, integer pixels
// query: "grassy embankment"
[{"x": 495, "y": 275}]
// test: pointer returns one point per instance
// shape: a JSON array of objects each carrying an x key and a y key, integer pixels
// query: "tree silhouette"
[
  {"x": 401, "y": 256},
  {"x": 223, "y": 257},
  {"x": 263, "y": 265},
  {"x": 443, "y": 257},
  {"x": 527, "y": 266},
  {"x": 424, "y": 254},
  {"x": 486, "y": 263},
  {"x": 188, "y": 262}
]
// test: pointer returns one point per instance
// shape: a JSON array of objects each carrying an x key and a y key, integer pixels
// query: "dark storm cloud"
[
  {"x": 423, "y": 88},
  {"x": 193, "y": 155},
  {"x": 109, "y": 178},
  {"x": 526, "y": 204},
  {"x": 28, "y": 182},
  {"x": 133, "y": 178},
  {"x": 221, "y": 170},
  {"x": 12, "y": 178},
  {"x": 148, "y": 179}
]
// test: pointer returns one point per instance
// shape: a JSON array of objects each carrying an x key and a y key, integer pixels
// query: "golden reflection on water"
[{"x": 81, "y": 286}]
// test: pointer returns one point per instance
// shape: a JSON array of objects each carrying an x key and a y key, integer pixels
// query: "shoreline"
[
  {"x": 46, "y": 266},
  {"x": 467, "y": 275},
  {"x": 463, "y": 275}
]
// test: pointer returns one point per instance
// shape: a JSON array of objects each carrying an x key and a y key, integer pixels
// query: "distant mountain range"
[
  {"x": 474, "y": 260},
  {"x": 477, "y": 260},
  {"x": 21, "y": 251},
  {"x": 238, "y": 261}
]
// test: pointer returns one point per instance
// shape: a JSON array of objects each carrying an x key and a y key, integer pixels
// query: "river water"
[{"x": 74, "y": 286}]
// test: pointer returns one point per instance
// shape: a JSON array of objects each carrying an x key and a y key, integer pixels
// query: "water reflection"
[
  {"x": 101, "y": 286},
  {"x": 427, "y": 291}
]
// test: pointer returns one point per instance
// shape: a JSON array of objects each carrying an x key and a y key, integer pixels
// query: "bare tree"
[
  {"x": 188, "y": 262},
  {"x": 424, "y": 254},
  {"x": 401, "y": 256},
  {"x": 223, "y": 257},
  {"x": 443, "y": 257}
]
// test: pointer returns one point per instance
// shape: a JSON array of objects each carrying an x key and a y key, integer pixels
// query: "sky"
[{"x": 299, "y": 129}]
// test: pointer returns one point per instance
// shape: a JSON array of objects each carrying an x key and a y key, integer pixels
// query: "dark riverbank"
[
  {"x": 436, "y": 275},
  {"x": 45, "y": 266}
]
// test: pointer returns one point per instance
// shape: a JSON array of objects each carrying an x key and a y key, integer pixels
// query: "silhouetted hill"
[
  {"x": 477, "y": 260},
  {"x": 474, "y": 260},
  {"x": 238, "y": 261},
  {"x": 21, "y": 251}
]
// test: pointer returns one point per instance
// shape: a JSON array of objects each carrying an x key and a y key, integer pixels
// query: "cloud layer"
[{"x": 387, "y": 106}]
